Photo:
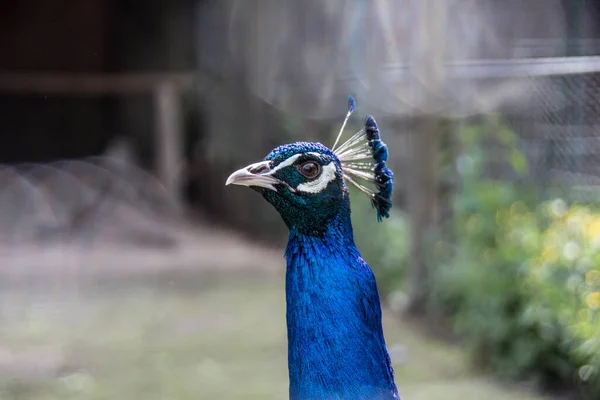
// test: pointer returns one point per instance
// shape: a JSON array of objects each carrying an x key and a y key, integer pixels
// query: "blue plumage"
[
  {"x": 371, "y": 128},
  {"x": 336, "y": 347},
  {"x": 351, "y": 104},
  {"x": 384, "y": 178}
]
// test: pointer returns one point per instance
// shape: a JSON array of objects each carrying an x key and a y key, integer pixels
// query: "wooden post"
[
  {"x": 169, "y": 137},
  {"x": 427, "y": 70},
  {"x": 422, "y": 205}
]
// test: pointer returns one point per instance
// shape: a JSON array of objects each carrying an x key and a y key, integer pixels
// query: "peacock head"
[{"x": 306, "y": 181}]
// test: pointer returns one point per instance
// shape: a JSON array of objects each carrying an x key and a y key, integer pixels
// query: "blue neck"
[{"x": 336, "y": 348}]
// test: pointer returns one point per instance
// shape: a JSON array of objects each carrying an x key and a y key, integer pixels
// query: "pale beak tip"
[
  {"x": 248, "y": 177},
  {"x": 231, "y": 179}
]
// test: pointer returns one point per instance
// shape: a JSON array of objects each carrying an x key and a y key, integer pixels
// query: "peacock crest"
[{"x": 363, "y": 158}]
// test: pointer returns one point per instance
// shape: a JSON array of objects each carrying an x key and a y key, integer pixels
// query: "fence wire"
[{"x": 559, "y": 126}]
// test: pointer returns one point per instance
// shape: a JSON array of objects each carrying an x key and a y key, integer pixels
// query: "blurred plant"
[
  {"x": 564, "y": 273},
  {"x": 384, "y": 245},
  {"x": 513, "y": 309}
]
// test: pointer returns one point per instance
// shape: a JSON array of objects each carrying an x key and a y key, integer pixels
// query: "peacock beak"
[{"x": 258, "y": 174}]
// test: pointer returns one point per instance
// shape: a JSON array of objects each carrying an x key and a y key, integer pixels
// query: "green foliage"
[
  {"x": 522, "y": 281},
  {"x": 383, "y": 245},
  {"x": 564, "y": 272}
]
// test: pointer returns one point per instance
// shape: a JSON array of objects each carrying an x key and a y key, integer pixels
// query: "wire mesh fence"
[{"x": 558, "y": 123}]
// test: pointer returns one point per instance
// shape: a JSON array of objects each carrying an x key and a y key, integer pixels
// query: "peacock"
[{"x": 336, "y": 346}]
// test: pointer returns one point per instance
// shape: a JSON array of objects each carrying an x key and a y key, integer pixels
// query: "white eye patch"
[
  {"x": 285, "y": 163},
  {"x": 289, "y": 161},
  {"x": 316, "y": 186}
]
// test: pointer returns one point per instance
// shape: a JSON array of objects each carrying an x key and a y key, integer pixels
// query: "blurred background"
[{"x": 128, "y": 269}]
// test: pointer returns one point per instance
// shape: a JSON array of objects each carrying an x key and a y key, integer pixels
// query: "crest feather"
[{"x": 363, "y": 157}]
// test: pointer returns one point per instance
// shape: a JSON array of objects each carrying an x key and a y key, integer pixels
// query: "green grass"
[{"x": 223, "y": 339}]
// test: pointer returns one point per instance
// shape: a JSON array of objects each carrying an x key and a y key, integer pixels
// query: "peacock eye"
[{"x": 310, "y": 169}]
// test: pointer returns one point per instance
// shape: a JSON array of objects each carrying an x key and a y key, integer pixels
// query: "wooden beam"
[{"x": 91, "y": 84}]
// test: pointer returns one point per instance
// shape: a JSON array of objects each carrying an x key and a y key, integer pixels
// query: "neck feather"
[{"x": 336, "y": 347}]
